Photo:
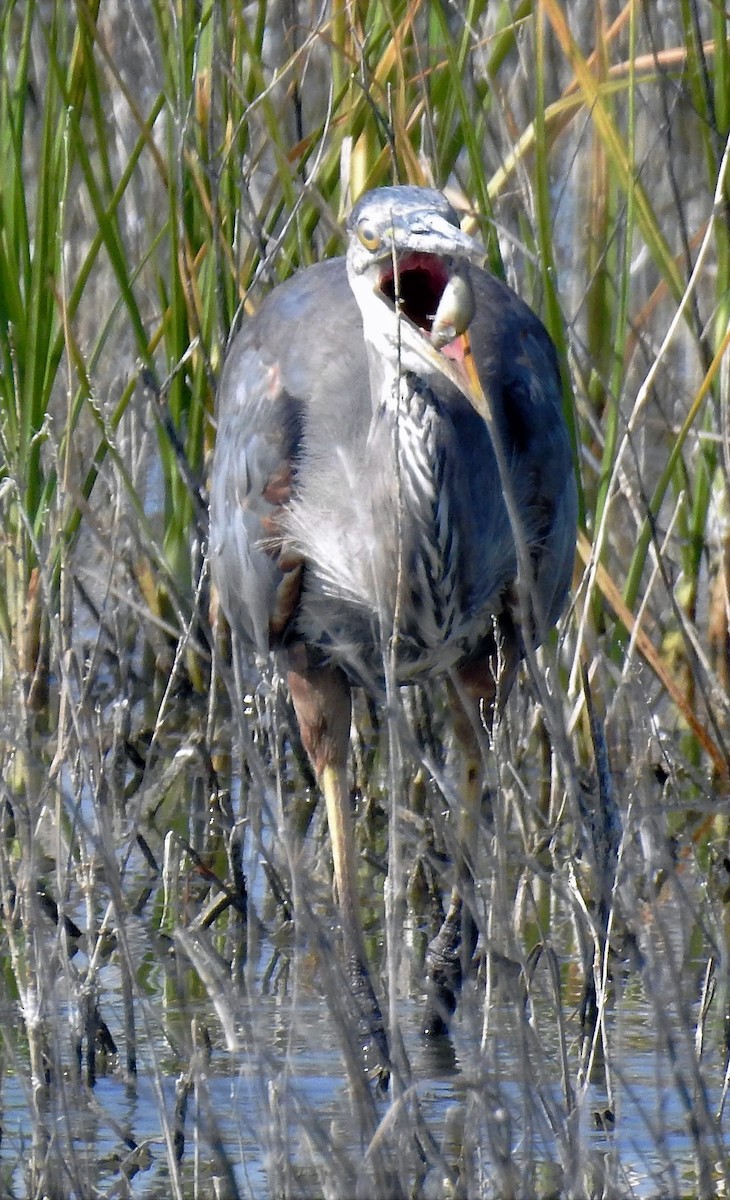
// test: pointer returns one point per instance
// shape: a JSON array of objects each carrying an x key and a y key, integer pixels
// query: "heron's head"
[{"x": 408, "y": 266}]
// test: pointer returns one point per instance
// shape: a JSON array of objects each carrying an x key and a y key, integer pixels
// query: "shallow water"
[{"x": 280, "y": 1104}]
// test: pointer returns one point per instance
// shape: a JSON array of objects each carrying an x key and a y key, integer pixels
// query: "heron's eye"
[{"x": 367, "y": 235}]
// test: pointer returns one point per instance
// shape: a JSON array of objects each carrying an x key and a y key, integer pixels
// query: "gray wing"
[
  {"x": 518, "y": 366},
  {"x": 296, "y": 370}
]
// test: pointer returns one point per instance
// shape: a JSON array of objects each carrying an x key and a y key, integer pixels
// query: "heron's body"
[
  {"x": 392, "y": 491},
  {"x": 392, "y": 502}
]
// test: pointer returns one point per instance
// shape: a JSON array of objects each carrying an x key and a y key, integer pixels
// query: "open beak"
[
  {"x": 456, "y": 362},
  {"x": 474, "y": 391},
  {"x": 432, "y": 292}
]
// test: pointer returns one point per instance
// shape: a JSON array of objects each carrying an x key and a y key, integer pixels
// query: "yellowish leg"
[
  {"x": 333, "y": 782},
  {"x": 321, "y": 699}
]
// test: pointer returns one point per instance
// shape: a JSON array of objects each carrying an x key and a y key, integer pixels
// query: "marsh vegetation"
[{"x": 172, "y": 999}]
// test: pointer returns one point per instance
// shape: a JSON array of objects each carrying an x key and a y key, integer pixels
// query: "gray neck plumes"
[{"x": 410, "y": 432}]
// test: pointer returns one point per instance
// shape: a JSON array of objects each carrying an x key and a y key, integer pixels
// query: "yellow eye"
[{"x": 368, "y": 237}]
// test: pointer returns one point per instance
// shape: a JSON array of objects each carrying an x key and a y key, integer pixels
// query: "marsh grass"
[{"x": 174, "y": 1015}]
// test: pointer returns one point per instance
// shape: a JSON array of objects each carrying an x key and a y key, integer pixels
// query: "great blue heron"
[{"x": 392, "y": 493}]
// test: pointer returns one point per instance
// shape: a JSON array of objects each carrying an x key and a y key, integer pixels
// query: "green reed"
[{"x": 159, "y": 175}]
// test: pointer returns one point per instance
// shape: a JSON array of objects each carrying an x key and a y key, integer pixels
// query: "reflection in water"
[{"x": 276, "y": 1105}]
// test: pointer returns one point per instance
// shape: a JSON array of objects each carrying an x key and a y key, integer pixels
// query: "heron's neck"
[
  {"x": 405, "y": 412},
  {"x": 409, "y": 433},
  {"x": 407, "y": 443},
  {"x": 417, "y": 504},
  {"x": 390, "y": 376},
  {"x": 411, "y": 411}
]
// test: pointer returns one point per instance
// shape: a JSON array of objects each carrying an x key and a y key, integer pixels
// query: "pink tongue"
[{"x": 455, "y": 349}]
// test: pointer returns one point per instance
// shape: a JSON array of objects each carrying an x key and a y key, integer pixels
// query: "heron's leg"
[
  {"x": 322, "y": 702},
  {"x": 453, "y": 947},
  {"x": 477, "y": 693}
]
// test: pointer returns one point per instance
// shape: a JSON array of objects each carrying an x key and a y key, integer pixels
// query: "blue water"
[{"x": 280, "y": 1096}]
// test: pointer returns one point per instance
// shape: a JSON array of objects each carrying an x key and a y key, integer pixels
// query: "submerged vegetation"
[{"x": 173, "y": 1021}]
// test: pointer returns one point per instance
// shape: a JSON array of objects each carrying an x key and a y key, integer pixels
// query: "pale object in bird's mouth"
[{"x": 455, "y": 312}]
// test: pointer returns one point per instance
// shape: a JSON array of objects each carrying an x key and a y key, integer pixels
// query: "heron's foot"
[
  {"x": 449, "y": 952},
  {"x": 371, "y": 1029},
  {"x": 444, "y": 975}
]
